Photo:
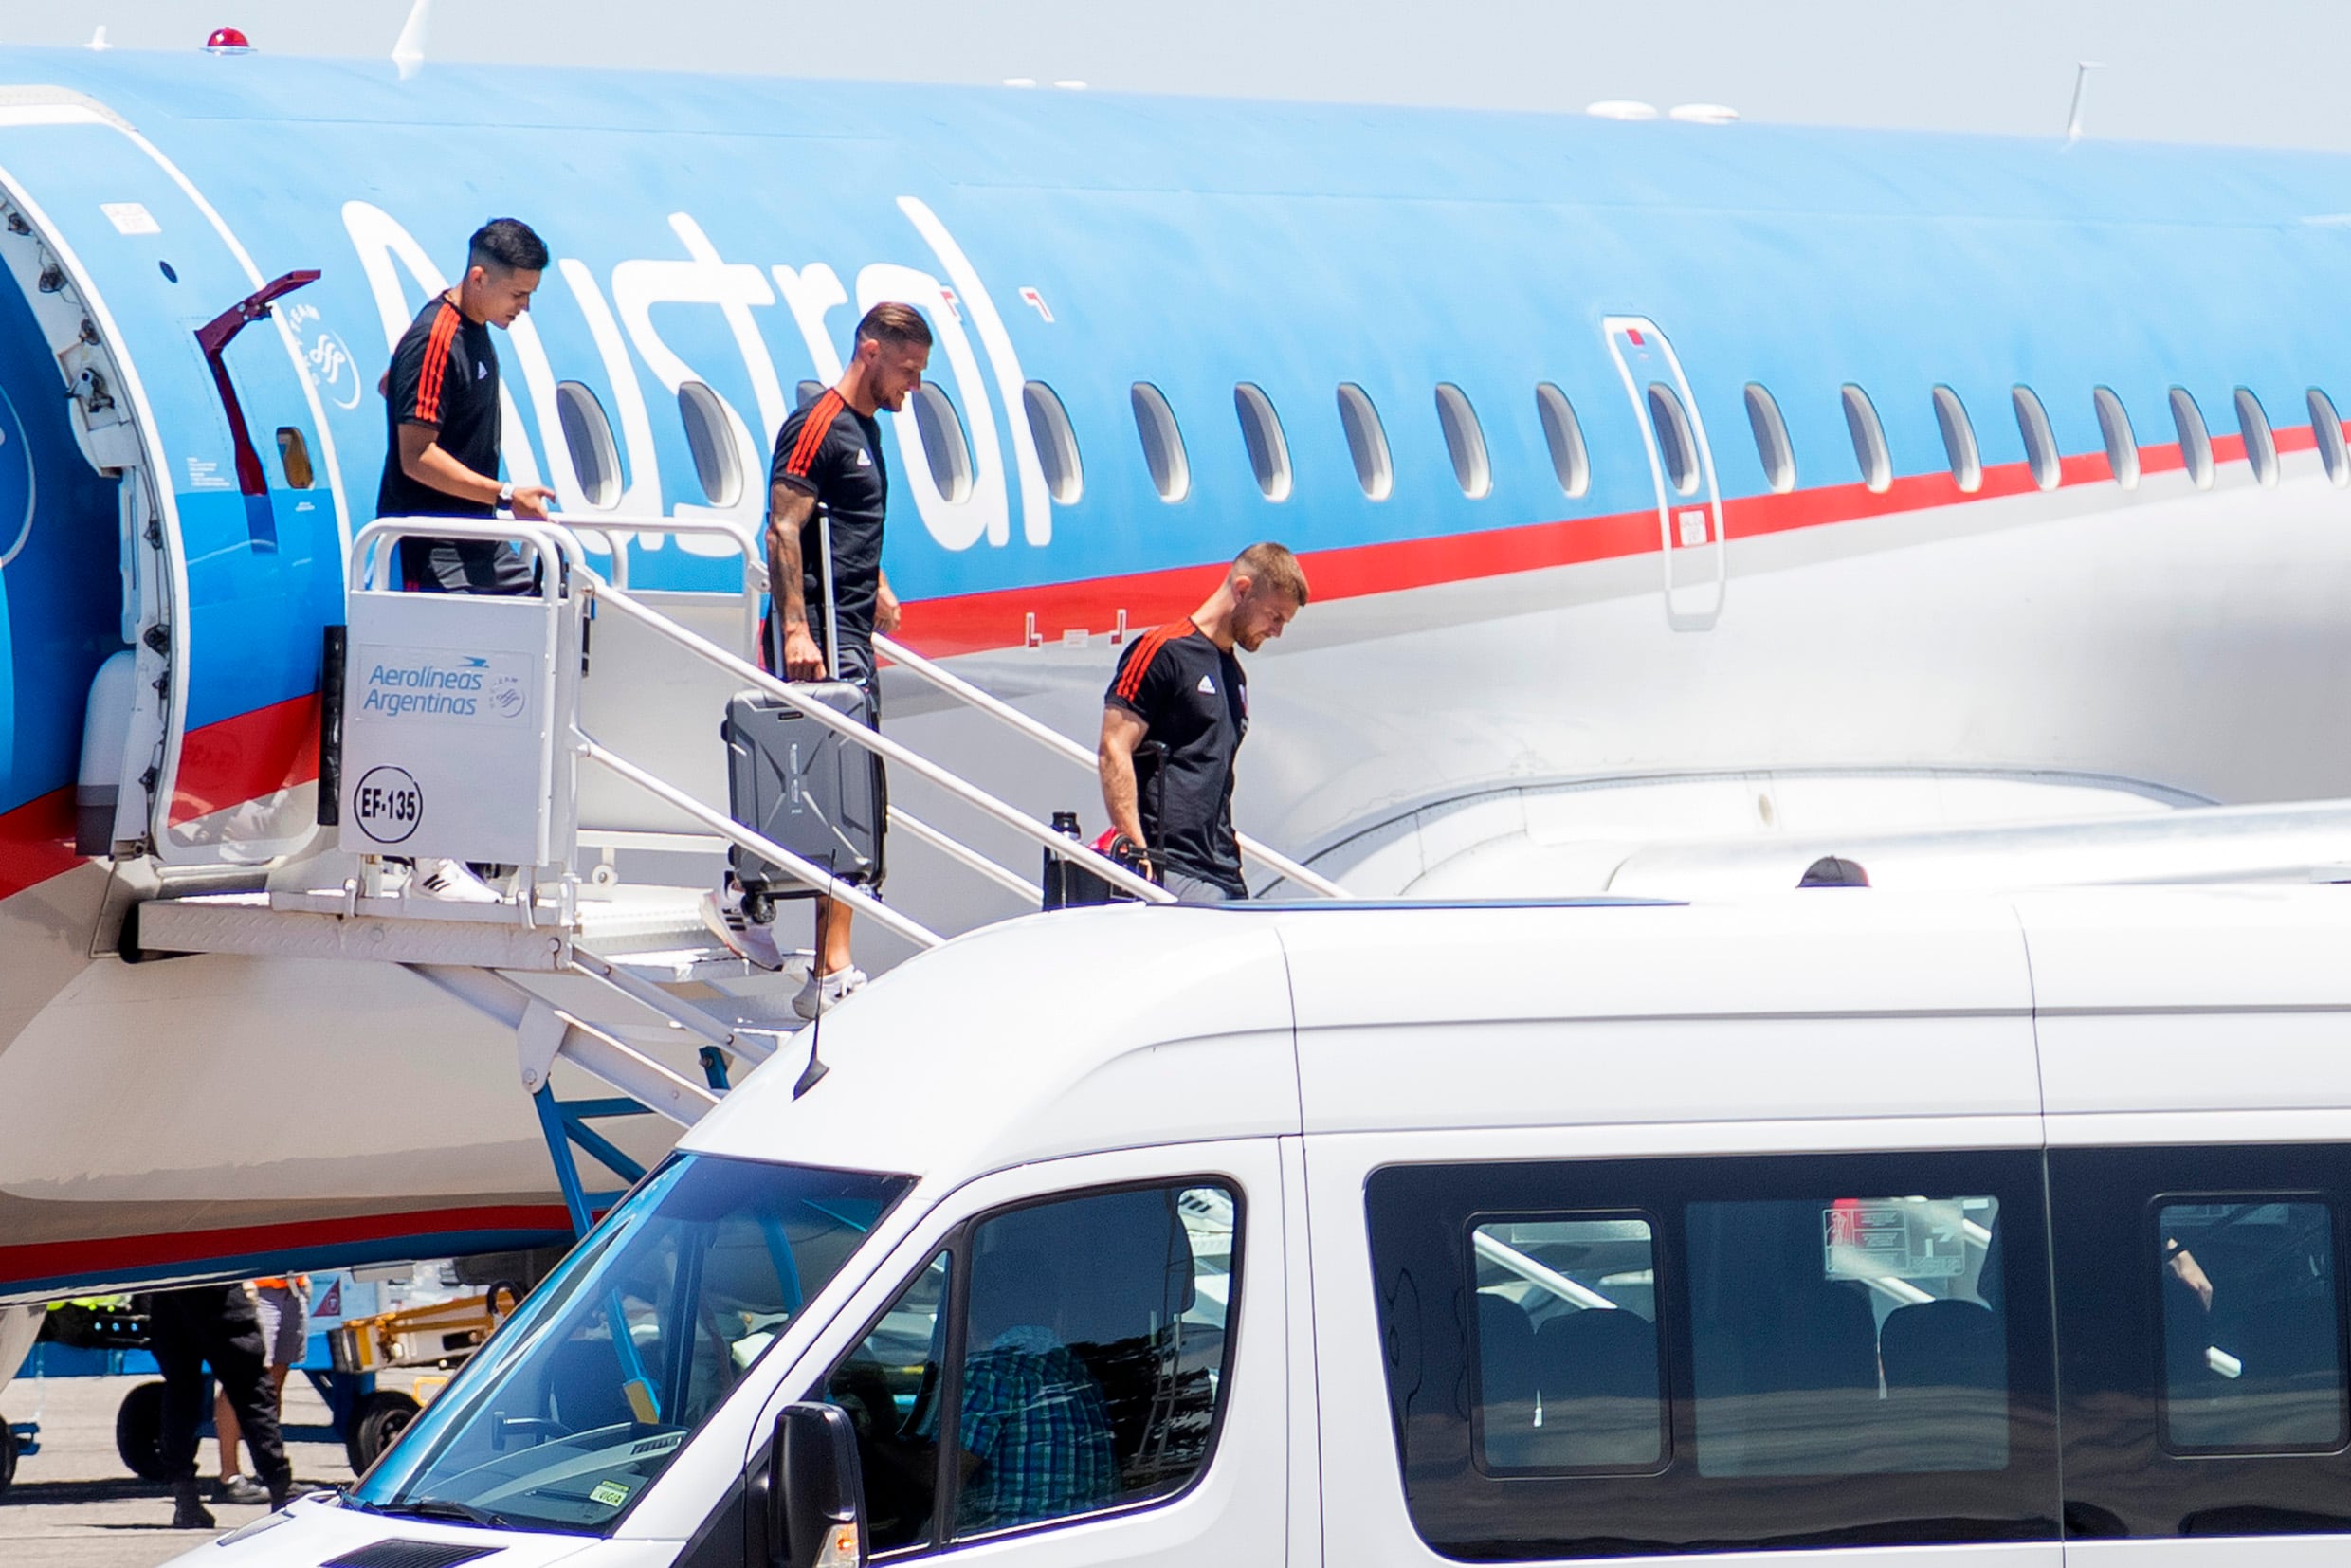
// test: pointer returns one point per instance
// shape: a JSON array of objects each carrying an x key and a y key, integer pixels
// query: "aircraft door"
[
  {"x": 1680, "y": 465},
  {"x": 231, "y": 529}
]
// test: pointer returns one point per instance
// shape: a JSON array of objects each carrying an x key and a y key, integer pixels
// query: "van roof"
[{"x": 1129, "y": 1026}]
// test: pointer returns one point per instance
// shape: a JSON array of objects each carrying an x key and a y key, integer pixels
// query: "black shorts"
[{"x": 466, "y": 566}]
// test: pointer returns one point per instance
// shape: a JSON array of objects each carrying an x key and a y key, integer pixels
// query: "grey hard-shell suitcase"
[{"x": 791, "y": 779}]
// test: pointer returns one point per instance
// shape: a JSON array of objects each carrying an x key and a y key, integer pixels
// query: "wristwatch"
[{"x": 505, "y": 494}]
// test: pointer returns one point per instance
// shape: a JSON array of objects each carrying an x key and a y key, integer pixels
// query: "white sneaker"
[
  {"x": 451, "y": 880},
  {"x": 744, "y": 937},
  {"x": 824, "y": 992}
]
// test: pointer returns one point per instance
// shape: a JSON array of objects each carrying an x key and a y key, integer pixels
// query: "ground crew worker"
[
  {"x": 441, "y": 458},
  {"x": 185, "y": 1330},
  {"x": 1172, "y": 722},
  {"x": 828, "y": 472}
]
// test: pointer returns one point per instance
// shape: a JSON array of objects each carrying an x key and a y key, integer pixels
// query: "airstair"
[{"x": 557, "y": 733}]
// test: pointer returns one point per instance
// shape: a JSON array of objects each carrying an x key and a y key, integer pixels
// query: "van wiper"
[{"x": 441, "y": 1507}]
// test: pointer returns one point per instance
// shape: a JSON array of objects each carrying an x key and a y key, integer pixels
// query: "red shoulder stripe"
[
  {"x": 434, "y": 370},
  {"x": 1131, "y": 681},
  {"x": 821, "y": 415}
]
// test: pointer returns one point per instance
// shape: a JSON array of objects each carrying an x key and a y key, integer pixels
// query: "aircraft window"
[
  {"x": 1564, "y": 434},
  {"x": 1958, "y": 440},
  {"x": 1677, "y": 449},
  {"x": 587, "y": 436},
  {"x": 944, "y": 445},
  {"x": 716, "y": 463},
  {"x": 2260, "y": 447},
  {"x": 1057, "y": 444},
  {"x": 2196, "y": 443},
  {"x": 294, "y": 456},
  {"x": 1261, "y": 429},
  {"x": 1568, "y": 1358},
  {"x": 809, "y": 392},
  {"x": 2252, "y": 1334},
  {"x": 2326, "y": 424},
  {"x": 1163, "y": 442},
  {"x": 1465, "y": 441},
  {"x": 1367, "y": 442},
  {"x": 2121, "y": 444},
  {"x": 2040, "y": 441},
  {"x": 1771, "y": 438},
  {"x": 1861, "y": 422}
]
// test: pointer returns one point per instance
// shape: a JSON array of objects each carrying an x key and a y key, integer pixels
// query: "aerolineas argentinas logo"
[{"x": 414, "y": 683}]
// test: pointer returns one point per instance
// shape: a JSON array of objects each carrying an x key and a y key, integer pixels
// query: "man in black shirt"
[
  {"x": 441, "y": 409},
  {"x": 1173, "y": 722},
  {"x": 442, "y": 414},
  {"x": 828, "y": 484}
]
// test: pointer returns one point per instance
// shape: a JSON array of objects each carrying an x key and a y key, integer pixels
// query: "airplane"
[{"x": 1658, "y": 482}]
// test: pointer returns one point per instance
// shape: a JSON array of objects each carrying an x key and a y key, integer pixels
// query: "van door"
[
  {"x": 1081, "y": 1362},
  {"x": 233, "y": 543},
  {"x": 1680, "y": 465}
]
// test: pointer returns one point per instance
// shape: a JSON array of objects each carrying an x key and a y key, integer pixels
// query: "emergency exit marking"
[
  {"x": 130, "y": 217},
  {"x": 387, "y": 805},
  {"x": 1693, "y": 526}
]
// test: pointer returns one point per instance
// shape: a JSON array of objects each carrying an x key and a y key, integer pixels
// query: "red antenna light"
[{"x": 228, "y": 41}]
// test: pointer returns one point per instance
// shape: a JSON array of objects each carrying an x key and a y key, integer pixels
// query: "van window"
[
  {"x": 1847, "y": 1335},
  {"x": 1069, "y": 1357},
  {"x": 889, "y": 1388},
  {"x": 1568, "y": 1358},
  {"x": 1654, "y": 1342},
  {"x": 2252, "y": 1355}
]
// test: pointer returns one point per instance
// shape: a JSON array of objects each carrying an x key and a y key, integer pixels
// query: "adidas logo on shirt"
[
  {"x": 1208, "y": 686},
  {"x": 480, "y": 372},
  {"x": 865, "y": 459}
]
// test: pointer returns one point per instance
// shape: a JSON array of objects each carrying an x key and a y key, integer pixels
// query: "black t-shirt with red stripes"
[
  {"x": 1193, "y": 699},
  {"x": 445, "y": 375},
  {"x": 830, "y": 450}
]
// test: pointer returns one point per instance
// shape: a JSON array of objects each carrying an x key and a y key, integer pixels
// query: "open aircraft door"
[
  {"x": 1681, "y": 465},
  {"x": 231, "y": 534}
]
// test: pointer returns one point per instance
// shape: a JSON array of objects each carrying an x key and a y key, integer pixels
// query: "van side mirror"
[{"x": 815, "y": 1493}]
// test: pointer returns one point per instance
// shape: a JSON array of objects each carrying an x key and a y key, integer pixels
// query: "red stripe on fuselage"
[
  {"x": 243, "y": 758},
  {"x": 124, "y": 1256},
  {"x": 37, "y": 841}
]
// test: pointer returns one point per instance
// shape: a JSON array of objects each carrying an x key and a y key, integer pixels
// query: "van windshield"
[{"x": 575, "y": 1406}]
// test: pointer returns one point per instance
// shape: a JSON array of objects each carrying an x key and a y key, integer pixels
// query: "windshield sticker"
[{"x": 611, "y": 1493}]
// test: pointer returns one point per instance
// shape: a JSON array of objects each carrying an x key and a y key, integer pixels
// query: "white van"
[{"x": 1848, "y": 1225}]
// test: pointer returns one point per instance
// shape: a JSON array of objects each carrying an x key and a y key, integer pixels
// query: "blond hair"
[{"x": 1271, "y": 565}]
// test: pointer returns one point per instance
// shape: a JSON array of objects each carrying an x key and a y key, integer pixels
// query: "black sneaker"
[{"x": 241, "y": 1490}]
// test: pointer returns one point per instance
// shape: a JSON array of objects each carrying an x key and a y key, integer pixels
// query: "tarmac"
[{"x": 74, "y": 1505}]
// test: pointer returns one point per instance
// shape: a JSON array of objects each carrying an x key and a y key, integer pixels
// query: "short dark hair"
[
  {"x": 900, "y": 325},
  {"x": 506, "y": 245}
]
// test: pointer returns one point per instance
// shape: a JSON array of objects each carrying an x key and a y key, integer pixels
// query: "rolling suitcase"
[{"x": 792, "y": 781}]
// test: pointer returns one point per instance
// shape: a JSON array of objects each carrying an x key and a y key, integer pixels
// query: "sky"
[{"x": 2265, "y": 72}]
